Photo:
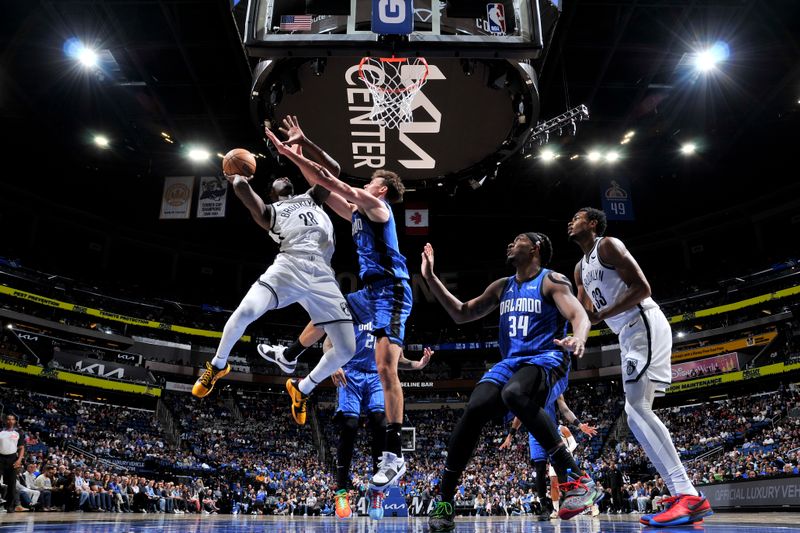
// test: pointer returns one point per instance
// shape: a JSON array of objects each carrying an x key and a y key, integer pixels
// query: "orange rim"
[{"x": 414, "y": 87}]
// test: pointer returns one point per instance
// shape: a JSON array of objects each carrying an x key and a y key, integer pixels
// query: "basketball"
[{"x": 239, "y": 161}]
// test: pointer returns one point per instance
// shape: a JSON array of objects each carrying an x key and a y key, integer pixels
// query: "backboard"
[
  {"x": 476, "y": 109},
  {"x": 456, "y": 28}
]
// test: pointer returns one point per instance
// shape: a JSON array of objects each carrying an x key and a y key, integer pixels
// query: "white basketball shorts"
[
  {"x": 309, "y": 281},
  {"x": 646, "y": 348}
]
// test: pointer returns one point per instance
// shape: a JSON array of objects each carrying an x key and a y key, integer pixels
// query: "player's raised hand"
[
  {"x": 571, "y": 344},
  {"x": 339, "y": 378},
  {"x": 589, "y": 430},
  {"x": 427, "y": 353},
  {"x": 291, "y": 129},
  {"x": 233, "y": 178},
  {"x": 280, "y": 146},
  {"x": 427, "y": 261},
  {"x": 507, "y": 443}
]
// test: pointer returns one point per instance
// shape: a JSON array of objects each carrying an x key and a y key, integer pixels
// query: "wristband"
[
  {"x": 577, "y": 423},
  {"x": 512, "y": 431}
]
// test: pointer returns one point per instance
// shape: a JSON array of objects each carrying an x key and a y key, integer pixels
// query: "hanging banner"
[
  {"x": 176, "y": 202},
  {"x": 731, "y": 346},
  {"x": 617, "y": 201},
  {"x": 731, "y": 377},
  {"x": 705, "y": 367},
  {"x": 212, "y": 197},
  {"x": 417, "y": 219}
]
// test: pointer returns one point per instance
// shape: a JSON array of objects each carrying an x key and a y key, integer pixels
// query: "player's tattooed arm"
[
  {"x": 558, "y": 288},
  {"x": 613, "y": 252},
  {"x": 408, "y": 364},
  {"x": 253, "y": 202},
  {"x": 460, "y": 311}
]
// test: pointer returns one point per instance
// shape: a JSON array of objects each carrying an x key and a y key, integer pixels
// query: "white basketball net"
[{"x": 393, "y": 82}]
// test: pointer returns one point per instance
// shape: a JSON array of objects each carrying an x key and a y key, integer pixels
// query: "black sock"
[
  {"x": 562, "y": 461},
  {"x": 449, "y": 483},
  {"x": 294, "y": 351},
  {"x": 541, "y": 480},
  {"x": 393, "y": 443}
]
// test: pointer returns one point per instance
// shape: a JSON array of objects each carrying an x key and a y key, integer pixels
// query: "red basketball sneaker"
[{"x": 682, "y": 509}]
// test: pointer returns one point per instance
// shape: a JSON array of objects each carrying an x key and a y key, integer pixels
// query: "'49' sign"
[{"x": 392, "y": 17}]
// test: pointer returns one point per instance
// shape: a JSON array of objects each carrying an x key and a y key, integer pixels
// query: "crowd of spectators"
[{"x": 245, "y": 456}]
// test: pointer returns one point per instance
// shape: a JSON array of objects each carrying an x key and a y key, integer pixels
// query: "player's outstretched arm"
[
  {"x": 252, "y": 201},
  {"x": 559, "y": 289},
  {"x": 460, "y": 311},
  {"x": 570, "y": 417},
  {"x": 316, "y": 174},
  {"x": 515, "y": 425},
  {"x": 408, "y": 364},
  {"x": 290, "y": 127},
  {"x": 613, "y": 252}
]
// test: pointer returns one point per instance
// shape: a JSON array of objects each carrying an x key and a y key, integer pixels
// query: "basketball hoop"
[{"x": 393, "y": 82}]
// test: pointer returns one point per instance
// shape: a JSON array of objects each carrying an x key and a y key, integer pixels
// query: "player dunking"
[
  {"x": 301, "y": 273},
  {"x": 539, "y": 455},
  {"x": 386, "y": 298},
  {"x": 613, "y": 288},
  {"x": 534, "y": 304}
]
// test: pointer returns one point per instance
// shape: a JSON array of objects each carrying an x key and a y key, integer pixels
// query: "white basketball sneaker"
[
  {"x": 390, "y": 469},
  {"x": 274, "y": 354}
]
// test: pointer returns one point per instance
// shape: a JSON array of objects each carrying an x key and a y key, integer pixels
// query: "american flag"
[{"x": 295, "y": 22}]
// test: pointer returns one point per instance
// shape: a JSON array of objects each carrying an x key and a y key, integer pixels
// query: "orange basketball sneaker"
[
  {"x": 680, "y": 510},
  {"x": 205, "y": 383},
  {"x": 298, "y": 401},
  {"x": 342, "y": 504}
]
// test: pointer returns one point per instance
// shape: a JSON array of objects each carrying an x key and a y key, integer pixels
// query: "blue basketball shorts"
[
  {"x": 385, "y": 303},
  {"x": 362, "y": 394}
]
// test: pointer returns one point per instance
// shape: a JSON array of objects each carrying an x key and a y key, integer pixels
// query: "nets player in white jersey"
[
  {"x": 613, "y": 288},
  {"x": 301, "y": 273}
]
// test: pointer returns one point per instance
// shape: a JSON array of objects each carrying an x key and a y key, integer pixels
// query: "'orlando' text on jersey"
[{"x": 528, "y": 320}]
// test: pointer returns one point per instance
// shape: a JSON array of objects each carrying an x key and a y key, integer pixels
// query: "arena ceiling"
[{"x": 177, "y": 67}]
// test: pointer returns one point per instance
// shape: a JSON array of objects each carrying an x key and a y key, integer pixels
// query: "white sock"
[
  {"x": 654, "y": 436},
  {"x": 344, "y": 347},
  {"x": 556, "y": 504}
]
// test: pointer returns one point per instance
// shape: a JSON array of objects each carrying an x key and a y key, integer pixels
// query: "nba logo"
[{"x": 496, "y": 16}]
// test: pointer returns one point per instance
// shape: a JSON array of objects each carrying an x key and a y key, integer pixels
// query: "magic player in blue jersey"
[
  {"x": 386, "y": 298},
  {"x": 533, "y": 304},
  {"x": 360, "y": 392}
]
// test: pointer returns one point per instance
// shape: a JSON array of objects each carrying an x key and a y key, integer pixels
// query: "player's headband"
[{"x": 535, "y": 238}]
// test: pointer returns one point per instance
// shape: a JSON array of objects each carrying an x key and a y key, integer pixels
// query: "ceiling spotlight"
[
  {"x": 707, "y": 60},
  {"x": 198, "y": 154},
  {"x": 165, "y": 134},
  {"x": 594, "y": 156},
  {"x": 574, "y": 156},
  {"x": 87, "y": 57},
  {"x": 612, "y": 156},
  {"x": 630, "y": 134},
  {"x": 688, "y": 148},
  {"x": 626, "y": 140},
  {"x": 548, "y": 155},
  {"x": 101, "y": 141},
  {"x": 221, "y": 156}
]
